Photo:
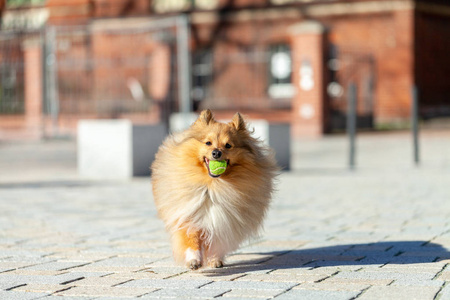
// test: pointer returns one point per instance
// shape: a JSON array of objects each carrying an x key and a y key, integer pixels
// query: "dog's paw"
[
  {"x": 215, "y": 263},
  {"x": 193, "y": 259},
  {"x": 194, "y": 264}
]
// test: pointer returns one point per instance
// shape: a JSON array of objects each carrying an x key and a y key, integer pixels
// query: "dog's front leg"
[{"x": 187, "y": 247}]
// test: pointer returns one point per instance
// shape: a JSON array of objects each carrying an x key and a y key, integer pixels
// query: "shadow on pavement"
[{"x": 381, "y": 253}]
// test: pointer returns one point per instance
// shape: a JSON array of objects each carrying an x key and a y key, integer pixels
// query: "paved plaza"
[{"x": 381, "y": 231}]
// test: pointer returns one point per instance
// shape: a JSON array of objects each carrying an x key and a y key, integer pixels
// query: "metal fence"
[
  {"x": 11, "y": 74},
  {"x": 115, "y": 69}
]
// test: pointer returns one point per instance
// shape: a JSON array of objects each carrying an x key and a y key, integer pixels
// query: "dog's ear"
[
  {"x": 206, "y": 117},
  {"x": 238, "y": 122}
]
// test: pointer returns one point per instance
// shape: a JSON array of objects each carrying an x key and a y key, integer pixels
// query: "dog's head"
[{"x": 216, "y": 141}]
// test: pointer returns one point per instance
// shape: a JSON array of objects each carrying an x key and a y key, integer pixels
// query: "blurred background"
[{"x": 283, "y": 61}]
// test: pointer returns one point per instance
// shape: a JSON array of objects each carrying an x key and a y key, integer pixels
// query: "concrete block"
[
  {"x": 179, "y": 121},
  {"x": 117, "y": 149},
  {"x": 277, "y": 136}
]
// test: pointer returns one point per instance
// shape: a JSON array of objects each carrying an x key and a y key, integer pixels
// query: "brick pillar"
[
  {"x": 33, "y": 86},
  {"x": 308, "y": 107},
  {"x": 159, "y": 70}
]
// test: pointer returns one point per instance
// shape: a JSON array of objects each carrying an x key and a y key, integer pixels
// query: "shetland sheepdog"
[{"x": 209, "y": 214}]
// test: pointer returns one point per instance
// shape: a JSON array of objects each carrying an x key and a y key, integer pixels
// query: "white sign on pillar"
[
  {"x": 306, "y": 76},
  {"x": 307, "y": 111},
  {"x": 306, "y": 83}
]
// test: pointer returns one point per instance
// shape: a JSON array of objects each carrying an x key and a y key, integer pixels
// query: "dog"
[{"x": 207, "y": 214}]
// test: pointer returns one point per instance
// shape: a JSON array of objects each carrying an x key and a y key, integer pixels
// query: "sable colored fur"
[{"x": 207, "y": 215}]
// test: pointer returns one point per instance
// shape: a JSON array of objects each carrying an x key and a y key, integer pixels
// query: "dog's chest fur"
[{"x": 220, "y": 213}]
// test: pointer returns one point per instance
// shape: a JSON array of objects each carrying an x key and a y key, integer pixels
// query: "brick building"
[{"x": 286, "y": 60}]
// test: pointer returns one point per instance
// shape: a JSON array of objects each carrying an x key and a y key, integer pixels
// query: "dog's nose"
[{"x": 216, "y": 153}]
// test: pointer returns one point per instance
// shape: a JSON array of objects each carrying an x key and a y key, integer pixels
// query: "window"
[
  {"x": 14, "y": 3},
  {"x": 24, "y": 15},
  {"x": 280, "y": 72}
]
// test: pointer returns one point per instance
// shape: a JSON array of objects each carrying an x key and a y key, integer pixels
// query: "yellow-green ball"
[{"x": 217, "y": 167}]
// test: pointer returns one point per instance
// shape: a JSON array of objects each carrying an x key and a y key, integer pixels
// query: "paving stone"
[
  {"x": 28, "y": 260},
  {"x": 414, "y": 268},
  {"x": 12, "y": 265},
  {"x": 444, "y": 276},
  {"x": 48, "y": 288},
  {"x": 374, "y": 282},
  {"x": 171, "y": 283},
  {"x": 124, "y": 262},
  {"x": 105, "y": 269},
  {"x": 251, "y": 293},
  {"x": 13, "y": 295},
  {"x": 329, "y": 286},
  {"x": 7, "y": 281},
  {"x": 101, "y": 281},
  {"x": 384, "y": 275},
  {"x": 35, "y": 272},
  {"x": 211, "y": 276},
  {"x": 141, "y": 275},
  {"x": 320, "y": 270},
  {"x": 247, "y": 258},
  {"x": 317, "y": 294},
  {"x": 444, "y": 294},
  {"x": 247, "y": 285},
  {"x": 411, "y": 281},
  {"x": 298, "y": 278},
  {"x": 164, "y": 270},
  {"x": 397, "y": 292},
  {"x": 185, "y": 294},
  {"x": 57, "y": 266},
  {"x": 86, "y": 274},
  {"x": 103, "y": 291},
  {"x": 52, "y": 297}
]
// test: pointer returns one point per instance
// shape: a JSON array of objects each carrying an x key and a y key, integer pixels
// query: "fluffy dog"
[{"x": 208, "y": 215}]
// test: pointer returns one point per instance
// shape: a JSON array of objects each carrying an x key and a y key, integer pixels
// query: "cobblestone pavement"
[{"x": 380, "y": 232}]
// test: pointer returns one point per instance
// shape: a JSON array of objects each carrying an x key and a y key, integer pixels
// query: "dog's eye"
[
  {"x": 208, "y": 143},
  {"x": 227, "y": 146}
]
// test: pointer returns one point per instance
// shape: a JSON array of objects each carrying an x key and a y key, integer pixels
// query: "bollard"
[
  {"x": 415, "y": 122},
  {"x": 351, "y": 123}
]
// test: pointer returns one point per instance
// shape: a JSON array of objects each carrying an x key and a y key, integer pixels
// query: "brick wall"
[
  {"x": 406, "y": 47},
  {"x": 388, "y": 38},
  {"x": 116, "y": 8},
  {"x": 69, "y": 11}
]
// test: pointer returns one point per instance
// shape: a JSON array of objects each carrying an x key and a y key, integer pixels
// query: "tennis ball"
[{"x": 217, "y": 167}]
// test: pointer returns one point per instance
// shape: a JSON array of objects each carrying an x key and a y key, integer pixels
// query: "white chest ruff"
[{"x": 220, "y": 218}]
